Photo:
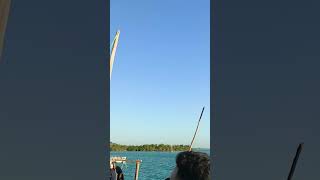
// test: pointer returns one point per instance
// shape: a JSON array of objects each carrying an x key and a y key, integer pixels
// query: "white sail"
[{"x": 113, "y": 51}]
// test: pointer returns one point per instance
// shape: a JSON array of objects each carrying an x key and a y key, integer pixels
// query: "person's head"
[
  {"x": 191, "y": 166},
  {"x": 112, "y": 165}
]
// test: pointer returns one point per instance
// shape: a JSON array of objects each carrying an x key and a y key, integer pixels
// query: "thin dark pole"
[
  {"x": 294, "y": 164},
  {"x": 195, "y": 133}
]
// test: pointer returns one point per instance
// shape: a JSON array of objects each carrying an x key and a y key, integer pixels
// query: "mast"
[
  {"x": 195, "y": 133},
  {"x": 113, "y": 51},
  {"x": 4, "y": 13},
  {"x": 295, "y": 160}
]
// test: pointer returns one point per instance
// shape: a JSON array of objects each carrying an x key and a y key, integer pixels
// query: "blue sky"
[{"x": 161, "y": 75}]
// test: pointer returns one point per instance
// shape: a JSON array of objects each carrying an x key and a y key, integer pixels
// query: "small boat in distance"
[
  {"x": 118, "y": 159},
  {"x": 124, "y": 161}
]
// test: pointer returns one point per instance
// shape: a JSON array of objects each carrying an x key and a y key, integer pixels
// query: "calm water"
[{"x": 155, "y": 165}]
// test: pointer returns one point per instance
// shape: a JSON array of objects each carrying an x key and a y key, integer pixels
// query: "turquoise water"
[{"x": 154, "y": 166}]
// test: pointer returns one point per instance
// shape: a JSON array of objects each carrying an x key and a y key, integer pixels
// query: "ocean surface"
[{"x": 154, "y": 166}]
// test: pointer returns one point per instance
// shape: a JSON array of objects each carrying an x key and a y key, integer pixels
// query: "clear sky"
[{"x": 161, "y": 75}]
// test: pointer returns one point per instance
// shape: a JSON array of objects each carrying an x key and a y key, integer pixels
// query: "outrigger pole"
[
  {"x": 136, "y": 174},
  {"x": 113, "y": 50},
  {"x": 195, "y": 133},
  {"x": 295, "y": 160}
]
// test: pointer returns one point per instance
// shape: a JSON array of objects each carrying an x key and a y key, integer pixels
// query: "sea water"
[{"x": 154, "y": 166}]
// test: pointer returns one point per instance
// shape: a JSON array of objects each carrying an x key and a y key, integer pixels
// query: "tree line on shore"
[{"x": 148, "y": 147}]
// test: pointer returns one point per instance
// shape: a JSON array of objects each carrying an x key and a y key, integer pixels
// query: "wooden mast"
[
  {"x": 195, "y": 133},
  {"x": 295, "y": 160}
]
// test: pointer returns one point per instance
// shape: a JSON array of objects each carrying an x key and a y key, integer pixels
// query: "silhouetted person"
[
  {"x": 113, "y": 173},
  {"x": 120, "y": 175},
  {"x": 191, "y": 166}
]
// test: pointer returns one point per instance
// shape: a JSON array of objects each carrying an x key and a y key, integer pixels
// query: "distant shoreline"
[
  {"x": 151, "y": 148},
  {"x": 145, "y": 151}
]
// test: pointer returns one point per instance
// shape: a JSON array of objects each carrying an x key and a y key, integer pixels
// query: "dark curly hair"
[{"x": 193, "y": 166}]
